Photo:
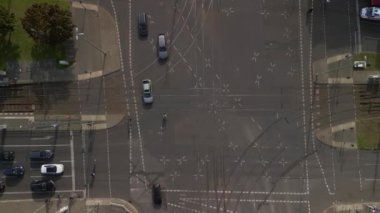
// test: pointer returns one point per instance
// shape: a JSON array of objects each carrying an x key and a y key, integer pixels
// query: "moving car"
[
  {"x": 147, "y": 91},
  {"x": 161, "y": 47},
  {"x": 44, "y": 155},
  {"x": 370, "y": 13},
  {"x": 15, "y": 171},
  {"x": 7, "y": 156},
  {"x": 42, "y": 186},
  {"x": 156, "y": 193},
  {"x": 52, "y": 169},
  {"x": 142, "y": 23}
]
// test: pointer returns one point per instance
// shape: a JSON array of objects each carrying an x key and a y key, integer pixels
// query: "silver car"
[
  {"x": 147, "y": 91},
  {"x": 162, "y": 47}
]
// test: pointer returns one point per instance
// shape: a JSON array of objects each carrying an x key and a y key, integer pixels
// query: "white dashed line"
[
  {"x": 232, "y": 192},
  {"x": 303, "y": 91},
  {"x": 72, "y": 160},
  {"x": 182, "y": 207}
]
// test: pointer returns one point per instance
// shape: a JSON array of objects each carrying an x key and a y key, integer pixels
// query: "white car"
[
  {"x": 52, "y": 169},
  {"x": 370, "y": 13},
  {"x": 147, "y": 91},
  {"x": 162, "y": 47}
]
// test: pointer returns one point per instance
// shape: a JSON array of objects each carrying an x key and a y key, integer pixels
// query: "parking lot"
[{"x": 44, "y": 138}]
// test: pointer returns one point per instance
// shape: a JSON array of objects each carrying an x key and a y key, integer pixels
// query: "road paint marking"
[
  {"x": 221, "y": 208},
  {"x": 66, "y": 161},
  {"x": 72, "y": 160},
  {"x": 30, "y": 192},
  {"x": 43, "y": 176},
  {"x": 36, "y": 145},
  {"x": 249, "y": 200},
  {"x": 182, "y": 207},
  {"x": 85, "y": 118},
  {"x": 232, "y": 192},
  {"x": 42, "y": 138},
  {"x": 303, "y": 91}
]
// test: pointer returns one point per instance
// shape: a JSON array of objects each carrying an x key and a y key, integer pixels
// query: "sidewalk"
[
  {"x": 96, "y": 53},
  {"x": 351, "y": 207},
  {"x": 335, "y": 76},
  {"x": 94, "y": 47},
  {"x": 65, "y": 204}
]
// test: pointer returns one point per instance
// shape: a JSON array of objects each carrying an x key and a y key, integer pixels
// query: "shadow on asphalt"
[{"x": 13, "y": 181}]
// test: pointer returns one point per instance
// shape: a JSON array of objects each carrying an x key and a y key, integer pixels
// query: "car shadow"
[
  {"x": 142, "y": 38},
  {"x": 147, "y": 106}
]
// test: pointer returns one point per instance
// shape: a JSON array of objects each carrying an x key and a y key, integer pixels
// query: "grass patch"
[
  {"x": 368, "y": 134},
  {"x": 373, "y": 60},
  {"x": 20, "y": 38}
]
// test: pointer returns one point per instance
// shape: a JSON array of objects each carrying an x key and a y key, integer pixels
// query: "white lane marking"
[
  {"x": 42, "y": 176},
  {"x": 72, "y": 160},
  {"x": 303, "y": 92},
  {"x": 30, "y": 192},
  {"x": 251, "y": 200},
  {"x": 232, "y": 192},
  {"x": 183, "y": 207},
  {"x": 84, "y": 162},
  {"x": 221, "y": 208},
  {"x": 66, "y": 161},
  {"x": 42, "y": 138},
  {"x": 36, "y": 145}
]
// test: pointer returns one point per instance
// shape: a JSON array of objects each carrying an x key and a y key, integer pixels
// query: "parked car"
[
  {"x": 44, "y": 155},
  {"x": 15, "y": 171},
  {"x": 7, "y": 156},
  {"x": 52, "y": 169},
  {"x": 156, "y": 193},
  {"x": 147, "y": 91},
  {"x": 370, "y": 13},
  {"x": 162, "y": 47},
  {"x": 42, "y": 186},
  {"x": 142, "y": 23}
]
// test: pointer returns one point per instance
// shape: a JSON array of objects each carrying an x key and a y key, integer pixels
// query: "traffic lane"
[
  {"x": 120, "y": 160},
  {"x": 145, "y": 50},
  {"x": 340, "y": 17},
  {"x": 370, "y": 36}
]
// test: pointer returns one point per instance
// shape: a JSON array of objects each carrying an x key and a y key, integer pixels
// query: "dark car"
[
  {"x": 41, "y": 155},
  {"x": 7, "y": 156},
  {"x": 15, "y": 171},
  {"x": 156, "y": 193},
  {"x": 42, "y": 186},
  {"x": 142, "y": 23}
]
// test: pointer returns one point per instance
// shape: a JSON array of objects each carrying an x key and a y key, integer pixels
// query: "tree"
[
  {"x": 47, "y": 23},
  {"x": 7, "y": 22}
]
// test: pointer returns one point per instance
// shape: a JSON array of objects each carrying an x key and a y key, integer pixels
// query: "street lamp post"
[{"x": 77, "y": 34}]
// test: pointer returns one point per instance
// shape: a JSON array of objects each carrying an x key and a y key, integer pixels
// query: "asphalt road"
[{"x": 237, "y": 90}]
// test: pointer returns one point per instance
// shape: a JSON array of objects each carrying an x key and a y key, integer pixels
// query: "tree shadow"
[{"x": 8, "y": 52}]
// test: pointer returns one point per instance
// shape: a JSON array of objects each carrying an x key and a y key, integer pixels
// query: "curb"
[{"x": 116, "y": 202}]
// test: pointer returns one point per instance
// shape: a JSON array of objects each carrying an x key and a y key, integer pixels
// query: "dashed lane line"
[
  {"x": 37, "y": 145},
  {"x": 41, "y": 176},
  {"x": 72, "y": 160},
  {"x": 30, "y": 192},
  {"x": 233, "y": 192},
  {"x": 183, "y": 207},
  {"x": 252, "y": 200}
]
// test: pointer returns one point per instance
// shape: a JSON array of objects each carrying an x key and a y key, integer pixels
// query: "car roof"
[
  {"x": 142, "y": 17},
  {"x": 161, "y": 39}
]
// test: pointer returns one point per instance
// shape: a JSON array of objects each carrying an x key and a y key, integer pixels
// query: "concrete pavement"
[{"x": 65, "y": 204}]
